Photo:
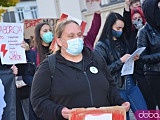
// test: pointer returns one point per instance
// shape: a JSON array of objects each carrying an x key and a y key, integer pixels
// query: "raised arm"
[{"x": 90, "y": 38}]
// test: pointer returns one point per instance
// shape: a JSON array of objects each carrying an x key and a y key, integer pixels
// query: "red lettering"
[{"x": 31, "y": 23}]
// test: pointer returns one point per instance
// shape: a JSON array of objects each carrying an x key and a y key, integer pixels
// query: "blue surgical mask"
[
  {"x": 116, "y": 34},
  {"x": 75, "y": 46},
  {"x": 47, "y": 37}
]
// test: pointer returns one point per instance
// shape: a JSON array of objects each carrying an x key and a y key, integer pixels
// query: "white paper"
[
  {"x": 11, "y": 37},
  {"x": 128, "y": 66},
  {"x": 107, "y": 116},
  {"x": 2, "y": 104}
]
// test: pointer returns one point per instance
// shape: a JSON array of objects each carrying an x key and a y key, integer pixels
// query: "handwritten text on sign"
[{"x": 11, "y": 37}]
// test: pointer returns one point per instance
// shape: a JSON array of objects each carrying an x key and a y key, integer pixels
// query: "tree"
[{"x": 8, "y": 3}]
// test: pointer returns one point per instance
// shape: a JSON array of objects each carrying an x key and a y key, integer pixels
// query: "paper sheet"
[
  {"x": 99, "y": 117},
  {"x": 128, "y": 66}
]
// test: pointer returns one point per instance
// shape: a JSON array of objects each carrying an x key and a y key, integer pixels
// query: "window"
[
  {"x": 20, "y": 14},
  {"x": 34, "y": 12}
]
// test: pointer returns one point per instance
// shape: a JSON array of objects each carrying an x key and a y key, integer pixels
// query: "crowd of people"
[{"x": 83, "y": 80}]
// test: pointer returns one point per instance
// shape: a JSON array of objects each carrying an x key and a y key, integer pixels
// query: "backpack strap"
[{"x": 52, "y": 64}]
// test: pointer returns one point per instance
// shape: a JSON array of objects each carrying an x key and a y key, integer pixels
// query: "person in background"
[
  {"x": 42, "y": 40},
  {"x": 43, "y": 37},
  {"x": 149, "y": 37},
  {"x": 54, "y": 98},
  {"x": 16, "y": 71},
  {"x": 135, "y": 20},
  {"x": 134, "y": 3},
  {"x": 113, "y": 46},
  {"x": 90, "y": 37}
]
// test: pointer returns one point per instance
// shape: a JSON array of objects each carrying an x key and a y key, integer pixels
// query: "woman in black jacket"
[
  {"x": 113, "y": 47},
  {"x": 149, "y": 37},
  {"x": 134, "y": 19},
  {"x": 78, "y": 81}
]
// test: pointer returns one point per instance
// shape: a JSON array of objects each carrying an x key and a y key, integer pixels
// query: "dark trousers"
[
  {"x": 146, "y": 91},
  {"x": 154, "y": 82},
  {"x": 21, "y": 93}
]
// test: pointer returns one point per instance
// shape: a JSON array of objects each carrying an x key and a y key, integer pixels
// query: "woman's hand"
[
  {"x": 126, "y": 105},
  {"x": 14, "y": 69},
  {"x": 25, "y": 45},
  {"x": 136, "y": 57},
  {"x": 65, "y": 112},
  {"x": 125, "y": 57},
  {"x": 127, "y": 5}
]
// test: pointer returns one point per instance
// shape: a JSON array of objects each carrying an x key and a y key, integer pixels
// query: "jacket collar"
[{"x": 87, "y": 58}]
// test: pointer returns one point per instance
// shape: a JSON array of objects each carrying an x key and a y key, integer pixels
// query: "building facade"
[{"x": 32, "y": 9}]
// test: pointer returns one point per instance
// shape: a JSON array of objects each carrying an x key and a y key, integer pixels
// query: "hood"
[{"x": 152, "y": 13}]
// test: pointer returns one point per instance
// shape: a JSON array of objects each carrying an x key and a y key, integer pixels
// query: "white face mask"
[
  {"x": 138, "y": 23},
  {"x": 75, "y": 46}
]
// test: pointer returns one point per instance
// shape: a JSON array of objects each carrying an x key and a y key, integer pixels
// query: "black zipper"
[{"x": 90, "y": 90}]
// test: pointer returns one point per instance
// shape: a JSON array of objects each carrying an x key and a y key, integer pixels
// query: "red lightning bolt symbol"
[{"x": 3, "y": 46}]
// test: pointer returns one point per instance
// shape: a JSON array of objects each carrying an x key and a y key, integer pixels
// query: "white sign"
[
  {"x": 99, "y": 117},
  {"x": 128, "y": 66},
  {"x": 11, "y": 37},
  {"x": 3, "y": 104}
]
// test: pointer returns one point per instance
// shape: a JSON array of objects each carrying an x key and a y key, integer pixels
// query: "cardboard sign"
[
  {"x": 104, "y": 113},
  {"x": 69, "y": 17},
  {"x": 30, "y": 24},
  {"x": 11, "y": 37}
]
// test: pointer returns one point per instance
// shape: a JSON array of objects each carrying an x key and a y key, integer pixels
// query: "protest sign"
[
  {"x": 103, "y": 113},
  {"x": 11, "y": 37},
  {"x": 30, "y": 24}
]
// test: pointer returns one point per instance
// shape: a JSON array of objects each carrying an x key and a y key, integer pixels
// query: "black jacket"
[
  {"x": 149, "y": 37},
  {"x": 73, "y": 86},
  {"x": 131, "y": 34},
  {"x": 112, "y": 57}
]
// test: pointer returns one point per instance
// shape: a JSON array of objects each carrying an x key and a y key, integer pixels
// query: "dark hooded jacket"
[
  {"x": 112, "y": 57},
  {"x": 149, "y": 37},
  {"x": 73, "y": 86},
  {"x": 152, "y": 13}
]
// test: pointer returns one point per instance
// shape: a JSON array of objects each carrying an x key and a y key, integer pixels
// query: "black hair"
[
  {"x": 107, "y": 29},
  {"x": 134, "y": 1},
  {"x": 38, "y": 40}
]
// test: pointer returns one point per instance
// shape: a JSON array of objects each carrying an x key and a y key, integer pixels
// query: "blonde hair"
[
  {"x": 61, "y": 26},
  {"x": 59, "y": 30}
]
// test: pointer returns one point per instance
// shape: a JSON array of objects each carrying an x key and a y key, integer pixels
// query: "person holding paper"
[
  {"x": 113, "y": 47},
  {"x": 149, "y": 37},
  {"x": 135, "y": 20},
  {"x": 79, "y": 79}
]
